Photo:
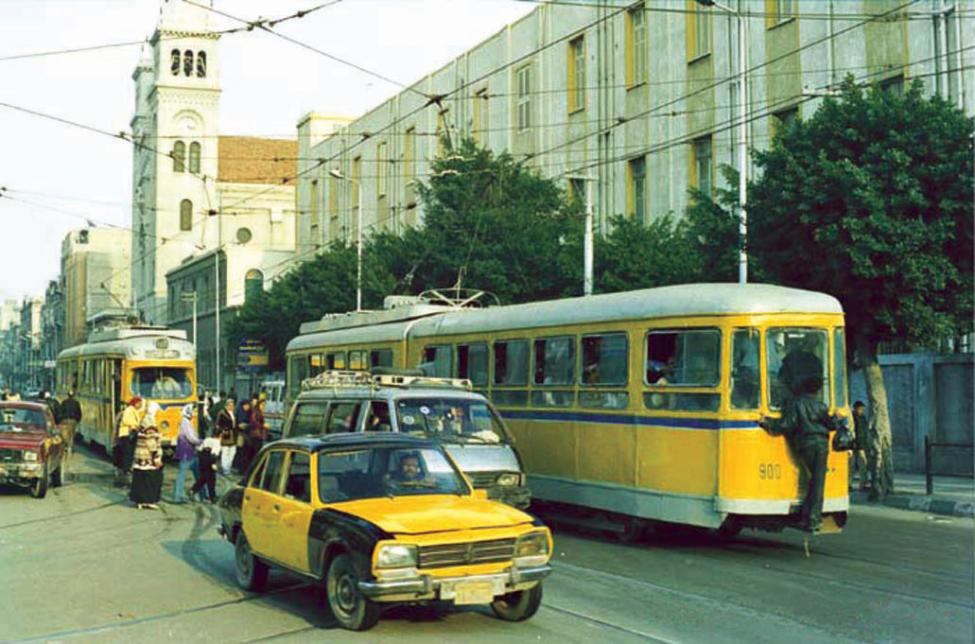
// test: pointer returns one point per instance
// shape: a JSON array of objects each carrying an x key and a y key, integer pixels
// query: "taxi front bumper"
[
  {"x": 22, "y": 473},
  {"x": 424, "y": 587}
]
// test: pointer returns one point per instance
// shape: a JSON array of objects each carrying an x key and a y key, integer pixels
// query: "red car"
[{"x": 31, "y": 448}]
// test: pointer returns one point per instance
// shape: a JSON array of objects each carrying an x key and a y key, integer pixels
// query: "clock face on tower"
[{"x": 188, "y": 124}]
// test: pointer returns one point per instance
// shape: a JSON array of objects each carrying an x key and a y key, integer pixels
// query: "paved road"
[{"x": 83, "y": 565}]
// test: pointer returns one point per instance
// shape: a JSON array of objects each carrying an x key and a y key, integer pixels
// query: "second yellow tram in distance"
[
  {"x": 116, "y": 365},
  {"x": 639, "y": 405}
]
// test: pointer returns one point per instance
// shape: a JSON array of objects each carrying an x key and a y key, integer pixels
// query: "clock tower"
[{"x": 175, "y": 167}]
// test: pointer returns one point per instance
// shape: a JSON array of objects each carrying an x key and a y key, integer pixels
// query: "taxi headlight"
[
  {"x": 533, "y": 544},
  {"x": 396, "y": 555},
  {"x": 30, "y": 456},
  {"x": 509, "y": 479}
]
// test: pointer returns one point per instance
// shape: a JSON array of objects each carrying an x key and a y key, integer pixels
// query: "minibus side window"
[
  {"x": 745, "y": 387},
  {"x": 437, "y": 361},
  {"x": 839, "y": 368},
  {"x": 308, "y": 419},
  {"x": 343, "y": 418},
  {"x": 472, "y": 363}
]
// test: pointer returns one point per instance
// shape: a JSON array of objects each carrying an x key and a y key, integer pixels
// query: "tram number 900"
[{"x": 770, "y": 471}]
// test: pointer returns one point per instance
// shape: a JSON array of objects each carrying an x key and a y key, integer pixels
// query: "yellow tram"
[
  {"x": 116, "y": 365},
  {"x": 640, "y": 405}
]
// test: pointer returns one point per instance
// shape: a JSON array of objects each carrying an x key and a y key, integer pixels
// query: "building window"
[
  {"x": 699, "y": 36},
  {"x": 201, "y": 64},
  {"x": 523, "y": 80},
  {"x": 333, "y": 197},
  {"x": 188, "y": 63},
  {"x": 894, "y": 85},
  {"x": 482, "y": 119},
  {"x": 443, "y": 131},
  {"x": 244, "y": 235},
  {"x": 702, "y": 164},
  {"x": 783, "y": 119},
  {"x": 313, "y": 220},
  {"x": 577, "y": 74},
  {"x": 637, "y": 193},
  {"x": 253, "y": 284},
  {"x": 186, "y": 215},
  {"x": 577, "y": 190},
  {"x": 179, "y": 157},
  {"x": 779, "y": 11},
  {"x": 356, "y": 188},
  {"x": 174, "y": 57},
  {"x": 636, "y": 47},
  {"x": 382, "y": 167},
  {"x": 195, "y": 157},
  {"x": 409, "y": 154}
]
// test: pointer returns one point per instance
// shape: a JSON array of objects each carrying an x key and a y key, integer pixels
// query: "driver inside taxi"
[{"x": 409, "y": 473}]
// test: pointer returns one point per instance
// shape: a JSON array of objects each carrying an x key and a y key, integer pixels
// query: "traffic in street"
[{"x": 90, "y": 567}]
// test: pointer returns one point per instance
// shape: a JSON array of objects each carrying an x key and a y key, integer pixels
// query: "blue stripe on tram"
[{"x": 631, "y": 419}]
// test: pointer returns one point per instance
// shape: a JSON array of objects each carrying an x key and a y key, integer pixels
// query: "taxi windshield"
[
  {"x": 18, "y": 419},
  {"x": 461, "y": 418},
  {"x": 161, "y": 383},
  {"x": 369, "y": 473}
]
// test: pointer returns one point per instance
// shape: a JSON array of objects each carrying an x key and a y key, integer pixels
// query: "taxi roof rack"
[{"x": 407, "y": 379}]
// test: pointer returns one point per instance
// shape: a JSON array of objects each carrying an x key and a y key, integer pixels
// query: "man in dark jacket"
[
  {"x": 806, "y": 424},
  {"x": 70, "y": 417}
]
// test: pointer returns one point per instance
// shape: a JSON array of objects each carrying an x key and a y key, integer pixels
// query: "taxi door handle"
[
  {"x": 247, "y": 497},
  {"x": 277, "y": 508}
]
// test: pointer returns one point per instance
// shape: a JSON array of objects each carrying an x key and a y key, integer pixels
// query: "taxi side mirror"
[{"x": 480, "y": 494}]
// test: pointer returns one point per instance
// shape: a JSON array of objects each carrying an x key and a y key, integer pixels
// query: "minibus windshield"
[{"x": 465, "y": 419}]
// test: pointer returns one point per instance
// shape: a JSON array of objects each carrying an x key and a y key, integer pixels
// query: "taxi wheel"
[
  {"x": 38, "y": 489},
  {"x": 518, "y": 606},
  {"x": 251, "y": 571},
  {"x": 352, "y": 611}
]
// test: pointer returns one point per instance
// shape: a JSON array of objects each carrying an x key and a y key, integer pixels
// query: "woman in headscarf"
[
  {"x": 186, "y": 443},
  {"x": 147, "y": 463}
]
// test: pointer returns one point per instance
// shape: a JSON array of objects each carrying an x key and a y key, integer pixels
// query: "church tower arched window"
[
  {"x": 174, "y": 62},
  {"x": 201, "y": 64},
  {"x": 186, "y": 215},
  {"x": 188, "y": 63},
  {"x": 253, "y": 284},
  {"x": 195, "y": 157},
  {"x": 179, "y": 157}
]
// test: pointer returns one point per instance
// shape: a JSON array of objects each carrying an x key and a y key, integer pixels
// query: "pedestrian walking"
[
  {"x": 226, "y": 429},
  {"x": 244, "y": 410},
  {"x": 124, "y": 448},
  {"x": 806, "y": 424},
  {"x": 256, "y": 434},
  {"x": 208, "y": 459},
  {"x": 147, "y": 463},
  {"x": 186, "y": 443},
  {"x": 865, "y": 453},
  {"x": 70, "y": 418}
]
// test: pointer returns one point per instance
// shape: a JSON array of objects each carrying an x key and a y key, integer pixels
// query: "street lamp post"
[
  {"x": 742, "y": 135},
  {"x": 358, "y": 236},
  {"x": 192, "y": 297},
  {"x": 587, "y": 241}
]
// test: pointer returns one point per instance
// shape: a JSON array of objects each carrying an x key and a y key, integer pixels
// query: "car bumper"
[
  {"x": 426, "y": 587},
  {"x": 20, "y": 473}
]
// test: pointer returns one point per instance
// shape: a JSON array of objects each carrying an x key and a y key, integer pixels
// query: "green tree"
[{"x": 871, "y": 200}]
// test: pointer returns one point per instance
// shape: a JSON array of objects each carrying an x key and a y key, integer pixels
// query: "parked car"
[
  {"x": 380, "y": 519},
  {"x": 31, "y": 448},
  {"x": 444, "y": 409}
]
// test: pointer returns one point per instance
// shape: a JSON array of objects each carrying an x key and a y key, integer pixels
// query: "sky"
[{"x": 54, "y": 177}]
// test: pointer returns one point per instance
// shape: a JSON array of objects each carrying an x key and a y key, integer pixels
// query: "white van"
[{"x": 273, "y": 393}]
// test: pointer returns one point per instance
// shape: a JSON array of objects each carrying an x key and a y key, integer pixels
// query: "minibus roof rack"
[{"x": 334, "y": 379}]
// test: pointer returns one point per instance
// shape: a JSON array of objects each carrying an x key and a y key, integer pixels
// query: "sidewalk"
[{"x": 953, "y": 495}]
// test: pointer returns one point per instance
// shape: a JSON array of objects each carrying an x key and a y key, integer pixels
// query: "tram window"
[
  {"x": 604, "y": 399},
  {"x": 381, "y": 358},
  {"x": 667, "y": 401},
  {"x": 550, "y": 398},
  {"x": 555, "y": 361},
  {"x": 335, "y": 360},
  {"x": 744, "y": 369},
  {"x": 165, "y": 383},
  {"x": 299, "y": 370},
  {"x": 510, "y": 397},
  {"x": 511, "y": 363},
  {"x": 437, "y": 361},
  {"x": 309, "y": 419},
  {"x": 357, "y": 360},
  {"x": 796, "y": 363},
  {"x": 839, "y": 368},
  {"x": 315, "y": 364},
  {"x": 472, "y": 363},
  {"x": 690, "y": 358},
  {"x": 604, "y": 359}
]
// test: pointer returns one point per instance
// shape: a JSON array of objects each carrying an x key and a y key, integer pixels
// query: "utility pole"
[
  {"x": 587, "y": 240},
  {"x": 193, "y": 297},
  {"x": 358, "y": 235}
]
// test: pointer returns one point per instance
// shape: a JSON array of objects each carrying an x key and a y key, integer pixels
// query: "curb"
[{"x": 920, "y": 503}]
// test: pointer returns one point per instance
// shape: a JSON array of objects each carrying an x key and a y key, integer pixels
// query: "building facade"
[
  {"x": 640, "y": 99},
  {"x": 9, "y": 333},
  {"x": 193, "y": 189},
  {"x": 96, "y": 277},
  {"x": 52, "y": 329},
  {"x": 29, "y": 369}
]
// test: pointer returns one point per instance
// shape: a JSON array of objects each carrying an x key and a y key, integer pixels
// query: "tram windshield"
[
  {"x": 796, "y": 358},
  {"x": 465, "y": 419},
  {"x": 161, "y": 383}
]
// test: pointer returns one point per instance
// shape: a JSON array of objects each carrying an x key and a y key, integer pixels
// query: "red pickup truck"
[{"x": 31, "y": 448}]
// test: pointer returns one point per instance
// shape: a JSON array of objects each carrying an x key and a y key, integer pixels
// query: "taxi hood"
[
  {"x": 433, "y": 513},
  {"x": 26, "y": 439}
]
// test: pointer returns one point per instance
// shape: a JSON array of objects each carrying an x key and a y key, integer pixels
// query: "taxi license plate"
[{"x": 473, "y": 592}]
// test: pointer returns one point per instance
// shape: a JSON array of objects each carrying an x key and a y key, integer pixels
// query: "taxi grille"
[
  {"x": 9, "y": 455},
  {"x": 462, "y": 554},
  {"x": 482, "y": 479}
]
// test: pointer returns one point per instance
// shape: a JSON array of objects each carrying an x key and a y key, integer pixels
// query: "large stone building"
[
  {"x": 640, "y": 98},
  {"x": 194, "y": 189},
  {"x": 95, "y": 275}
]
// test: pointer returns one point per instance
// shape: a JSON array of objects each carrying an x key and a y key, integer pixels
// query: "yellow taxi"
[{"x": 381, "y": 519}]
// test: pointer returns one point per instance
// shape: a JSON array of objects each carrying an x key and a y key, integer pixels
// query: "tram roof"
[
  {"x": 683, "y": 300},
  {"x": 391, "y": 332},
  {"x": 141, "y": 347}
]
